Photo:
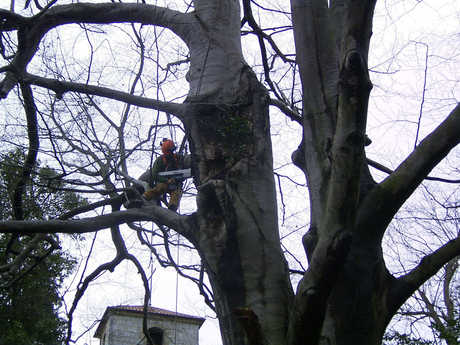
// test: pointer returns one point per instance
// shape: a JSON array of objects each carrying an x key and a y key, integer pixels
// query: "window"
[{"x": 157, "y": 335}]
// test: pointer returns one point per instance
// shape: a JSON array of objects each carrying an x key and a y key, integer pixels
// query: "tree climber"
[
  {"x": 153, "y": 186},
  {"x": 162, "y": 185}
]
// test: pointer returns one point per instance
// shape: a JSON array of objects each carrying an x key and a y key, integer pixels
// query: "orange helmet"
[{"x": 167, "y": 146}]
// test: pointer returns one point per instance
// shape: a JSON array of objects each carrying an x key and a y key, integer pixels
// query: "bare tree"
[
  {"x": 347, "y": 295},
  {"x": 433, "y": 309}
]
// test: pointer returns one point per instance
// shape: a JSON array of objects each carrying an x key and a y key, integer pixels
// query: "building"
[{"x": 122, "y": 325}]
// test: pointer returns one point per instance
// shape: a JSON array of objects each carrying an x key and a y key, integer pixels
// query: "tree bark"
[
  {"x": 236, "y": 224},
  {"x": 347, "y": 296}
]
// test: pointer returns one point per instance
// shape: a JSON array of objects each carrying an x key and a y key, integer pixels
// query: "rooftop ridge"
[{"x": 153, "y": 310}]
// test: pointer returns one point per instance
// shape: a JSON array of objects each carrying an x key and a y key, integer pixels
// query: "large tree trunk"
[
  {"x": 237, "y": 226},
  {"x": 237, "y": 218},
  {"x": 356, "y": 311},
  {"x": 340, "y": 298}
]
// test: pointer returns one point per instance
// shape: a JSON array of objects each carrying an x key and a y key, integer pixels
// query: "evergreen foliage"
[
  {"x": 396, "y": 338},
  {"x": 29, "y": 302}
]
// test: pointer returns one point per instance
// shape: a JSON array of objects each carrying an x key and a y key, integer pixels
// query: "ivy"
[{"x": 234, "y": 133}]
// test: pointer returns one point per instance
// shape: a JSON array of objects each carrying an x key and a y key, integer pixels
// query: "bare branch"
[
  {"x": 29, "y": 163},
  {"x": 121, "y": 254},
  {"x": 61, "y": 87},
  {"x": 10, "y": 21},
  {"x": 91, "y": 207},
  {"x": 32, "y": 30},
  {"x": 150, "y": 213},
  {"x": 397, "y": 187},
  {"x": 407, "y": 284},
  {"x": 387, "y": 170},
  {"x": 292, "y": 114}
]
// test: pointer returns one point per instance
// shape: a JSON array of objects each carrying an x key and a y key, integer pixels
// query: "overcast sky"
[{"x": 410, "y": 37}]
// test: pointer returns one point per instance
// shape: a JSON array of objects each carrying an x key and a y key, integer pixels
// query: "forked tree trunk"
[{"x": 342, "y": 297}]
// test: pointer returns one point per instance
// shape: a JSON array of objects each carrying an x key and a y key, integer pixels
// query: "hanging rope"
[
  {"x": 151, "y": 268},
  {"x": 177, "y": 289}
]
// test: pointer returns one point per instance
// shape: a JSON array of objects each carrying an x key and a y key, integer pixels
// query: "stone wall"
[{"x": 126, "y": 329}]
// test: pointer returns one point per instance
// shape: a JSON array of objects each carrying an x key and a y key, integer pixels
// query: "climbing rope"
[{"x": 177, "y": 289}]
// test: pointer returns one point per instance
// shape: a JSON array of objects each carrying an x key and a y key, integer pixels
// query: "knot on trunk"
[
  {"x": 354, "y": 74},
  {"x": 298, "y": 157},
  {"x": 340, "y": 245}
]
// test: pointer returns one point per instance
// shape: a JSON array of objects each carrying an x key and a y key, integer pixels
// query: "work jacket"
[
  {"x": 151, "y": 175},
  {"x": 164, "y": 163}
]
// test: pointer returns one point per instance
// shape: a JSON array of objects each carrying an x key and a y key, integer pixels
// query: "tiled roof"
[
  {"x": 154, "y": 310},
  {"x": 139, "y": 310}
]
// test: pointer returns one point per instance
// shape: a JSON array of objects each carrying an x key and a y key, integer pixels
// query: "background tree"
[
  {"x": 432, "y": 313},
  {"x": 347, "y": 295},
  {"x": 33, "y": 268}
]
